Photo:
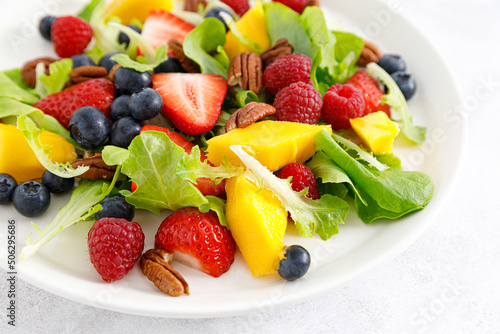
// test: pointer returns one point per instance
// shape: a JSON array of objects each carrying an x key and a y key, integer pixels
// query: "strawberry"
[
  {"x": 240, "y": 7},
  {"x": 191, "y": 101},
  {"x": 371, "y": 92},
  {"x": 161, "y": 26},
  {"x": 296, "y": 5},
  {"x": 97, "y": 93},
  {"x": 70, "y": 35},
  {"x": 205, "y": 185},
  {"x": 197, "y": 240}
]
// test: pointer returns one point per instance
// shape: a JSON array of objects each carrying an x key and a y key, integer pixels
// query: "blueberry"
[
  {"x": 215, "y": 12},
  {"x": 107, "y": 62},
  {"x": 45, "y": 27},
  {"x": 56, "y": 184},
  {"x": 82, "y": 60},
  {"x": 295, "y": 264},
  {"x": 145, "y": 104},
  {"x": 129, "y": 81},
  {"x": 7, "y": 186},
  {"x": 124, "y": 39},
  {"x": 31, "y": 198},
  {"x": 406, "y": 83},
  {"x": 171, "y": 65},
  {"x": 116, "y": 207},
  {"x": 88, "y": 127},
  {"x": 392, "y": 63},
  {"x": 119, "y": 108},
  {"x": 123, "y": 131}
]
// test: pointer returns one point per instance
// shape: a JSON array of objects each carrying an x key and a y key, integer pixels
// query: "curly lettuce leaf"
[
  {"x": 320, "y": 216},
  {"x": 84, "y": 202},
  {"x": 125, "y": 60},
  {"x": 56, "y": 80},
  {"x": 10, "y": 89},
  {"x": 396, "y": 99}
]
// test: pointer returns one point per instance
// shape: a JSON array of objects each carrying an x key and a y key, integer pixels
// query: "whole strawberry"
[
  {"x": 286, "y": 71},
  {"x": 240, "y": 7},
  {"x": 371, "y": 92},
  {"x": 98, "y": 93},
  {"x": 296, "y": 5},
  {"x": 115, "y": 245},
  {"x": 302, "y": 178},
  {"x": 70, "y": 35},
  {"x": 197, "y": 240}
]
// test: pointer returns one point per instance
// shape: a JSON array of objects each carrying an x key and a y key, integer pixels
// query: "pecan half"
[
  {"x": 248, "y": 115},
  {"x": 192, "y": 5},
  {"x": 28, "y": 72},
  {"x": 84, "y": 73},
  {"x": 280, "y": 49},
  {"x": 111, "y": 74},
  {"x": 370, "y": 53},
  {"x": 189, "y": 65},
  {"x": 155, "y": 266},
  {"x": 246, "y": 70},
  {"x": 98, "y": 169}
]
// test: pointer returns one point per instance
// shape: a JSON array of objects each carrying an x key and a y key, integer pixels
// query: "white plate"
[{"x": 62, "y": 266}]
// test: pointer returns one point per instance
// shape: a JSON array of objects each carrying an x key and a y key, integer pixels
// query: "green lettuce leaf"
[
  {"x": 84, "y": 202},
  {"x": 396, "y": 99},
  {"x": 218, "y": 206},
  {"x": 207, "y": 37},
  {"x": 125, "y": 60},
  {"x": 87, "y": 11},
  {"x": 347, "y": 48},
  {"x": 246, "y": 96},
  {"x": 56, "y": 80},
  {"x": 148, "y": 53},
  {"x": 15, "y": 75},
  {"x": 32, "y": 134},
  {"x": 320, "y": 216},
  {"x": 10, "y": 89},
  {"x": 105, "y": 34}
]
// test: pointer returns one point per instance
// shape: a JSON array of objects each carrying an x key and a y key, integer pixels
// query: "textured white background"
[{"x": 447, "y": 282}]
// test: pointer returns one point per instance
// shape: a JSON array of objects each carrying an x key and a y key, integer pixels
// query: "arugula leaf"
[
  {"x": 320, "y": 216},
  {"x": 55, "y": 81},
  {"x": 210, "y": 35},
  {"x": 125, "y": 61},
  {"x": 87, "y": 11},
  {"x": 396, "y": 99},
  {"x": 32, "y": 134},
  {"x": 84, "y": 202},
  {"x": 10, "y": 89}
]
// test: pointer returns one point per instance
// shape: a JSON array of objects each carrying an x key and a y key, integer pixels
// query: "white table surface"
[{"x": 446, "y": 282}]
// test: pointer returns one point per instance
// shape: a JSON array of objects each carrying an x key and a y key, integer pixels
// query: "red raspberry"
[
  {"x": 300, "y": 103},
  {"x": 371, "y": 92},
  {"x": 286, "y": 71},
  {"x": 115, "y": 245},
  {"x": 296, "y": 5},
  {"x": 340, "y": 103},
  {"x": 198, "y": 240},
  {"x": 302, "y": 177},
  {"x": 239, "y": 6},
  {"x": 70, "y": 35}
]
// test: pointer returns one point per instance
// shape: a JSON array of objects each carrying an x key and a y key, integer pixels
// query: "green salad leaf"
[
  {"x": 84, "y": 202},
  {"x": 148, "y": 53},
  {"x": 246, "y": 96},
  {"x": 10, "y": 89},
  {"x": 125, "y": 60},
  {"x": 105, "y": 34},
  {"x": 320, "y": 216},
  {"x": 87, "y": 11},
  {"x": 56, "y": 80},
  {"x": 218, "y": 206}
]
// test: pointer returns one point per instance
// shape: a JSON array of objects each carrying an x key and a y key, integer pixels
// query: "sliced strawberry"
[
  {"x": 161, "y": 26},
  {"x": 191, "y": 101},
  {"x": 205, "y": 185},
  {"x": 98, "y": 93},
  {"x": 371, "y": 92}
]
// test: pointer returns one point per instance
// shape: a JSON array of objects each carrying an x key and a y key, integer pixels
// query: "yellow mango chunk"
[
  {"x": 275, "y": 144},
  {"x": 127, "y": 10},
  {"x": 17, "y": 157},
  {"x": 258, "y": 223},
  {"x": 252, "y": 26},
  {"x": 376, "y": 131}
]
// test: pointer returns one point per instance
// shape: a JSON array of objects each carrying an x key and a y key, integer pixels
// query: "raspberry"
[
  {"x": 302, "y": 177},
  {"x": 70, "y": 35},
  {"x": 240, "y": 7},
  {"x": 296, "y": 5},
  {"x": 300, "y": 103},
  {"x": 370, "y": 91},
  {"x": 115, "y": 244},
  {"x": 340, "y": 103},
  {"x": 286, "y": 71}
]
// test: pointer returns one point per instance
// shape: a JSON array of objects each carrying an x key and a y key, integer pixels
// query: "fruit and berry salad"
[{"x": 239, "y": 117}]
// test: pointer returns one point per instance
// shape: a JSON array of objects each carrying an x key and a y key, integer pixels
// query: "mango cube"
[
  {"x": 376, "y": 131},
  {"x": 127, "y": 10}
]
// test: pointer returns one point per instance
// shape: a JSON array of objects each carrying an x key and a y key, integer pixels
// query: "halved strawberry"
[
  {"x": 161, "y": 26},
  {"x": 98, "y": 93},
  {"x": 205, "y": 185},
  {"x": 371, "y": 92},
  {"x": 191, "y": 101}
]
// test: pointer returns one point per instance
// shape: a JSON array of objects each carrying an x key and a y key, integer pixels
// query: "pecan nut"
[
  {"x": 155, "y": 266},
  {"x": 316, "y": 3},
  {"x": 112, "y": 71},
  {"x": 246, "y": 70},
  {"x": 98, "y": 168},
  {"x": 189, "y": 65},
  {"x": 28, "y": 72},
  {"x": 370, "y": 53},
  {"x": 280, "y": 49},
  {"x": 84, "y": 73},
  {"x": 193, "y": 5},
  {"x": 249, "y": 114}
]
